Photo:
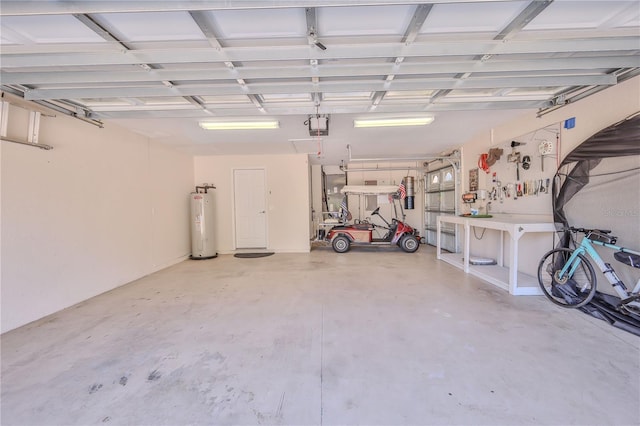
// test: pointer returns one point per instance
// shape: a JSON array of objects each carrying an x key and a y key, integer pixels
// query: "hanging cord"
[
  {"x": 318, "y": 126},
  {"x": 325, "y": 201},
  {"x": 476, "y": 235}
]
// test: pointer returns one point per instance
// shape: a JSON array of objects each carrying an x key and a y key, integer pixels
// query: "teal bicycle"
[{"x": 568, "y": 279}]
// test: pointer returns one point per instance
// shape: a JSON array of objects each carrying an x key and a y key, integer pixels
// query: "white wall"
[
  {"x": 592, "y": 115},
  {"x": 288, "y": 197},
  {"x": 101, "y": 209},
  {"x": 316, "y": 194}
]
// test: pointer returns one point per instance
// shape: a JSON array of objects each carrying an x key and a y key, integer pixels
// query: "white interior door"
[{"x": 250, "y": 210}]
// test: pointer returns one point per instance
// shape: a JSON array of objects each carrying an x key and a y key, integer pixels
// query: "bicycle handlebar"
[{"x": 586, "y": 231}]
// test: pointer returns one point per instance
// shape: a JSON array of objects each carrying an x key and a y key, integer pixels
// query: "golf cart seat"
[{"x": 362, "y": 226}]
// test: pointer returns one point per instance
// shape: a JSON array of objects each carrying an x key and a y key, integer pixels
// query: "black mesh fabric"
[{"x": 606, "y": 197}]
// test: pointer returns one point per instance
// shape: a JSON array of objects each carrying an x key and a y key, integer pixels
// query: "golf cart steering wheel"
[{"x": 375, "y": 211}]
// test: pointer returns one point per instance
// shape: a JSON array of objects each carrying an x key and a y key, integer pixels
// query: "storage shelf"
[
  {"x": 444, "y": 231},
  {"x": 454, "y": 259},
  {"x": 507, "y": 277},
  {"x": 499, "y": 276}
]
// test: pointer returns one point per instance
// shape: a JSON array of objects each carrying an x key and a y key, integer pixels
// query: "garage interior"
[{"x": 105, "y": 109}]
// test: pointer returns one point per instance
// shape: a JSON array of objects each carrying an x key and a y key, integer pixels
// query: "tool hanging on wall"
[
  {"x": 545, "y": 148},
  {"x": 541, "y": 184},
  {"x": 482, "y": 163},
  {"x": 487, "y": 160},
  {"x": 494, "y": 155},
  {"x": 514, "y": 157}
]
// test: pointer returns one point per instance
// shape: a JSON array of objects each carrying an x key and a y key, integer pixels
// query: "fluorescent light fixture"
[
  {"x": 390, "y": 122},
  {"x": 239, "y": 125}
]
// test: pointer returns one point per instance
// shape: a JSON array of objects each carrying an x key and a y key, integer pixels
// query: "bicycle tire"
[{"x": 572, "y": 292}]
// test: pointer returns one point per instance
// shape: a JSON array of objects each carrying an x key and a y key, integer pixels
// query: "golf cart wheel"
[
  {"x": 341, "y": 244},
  {"x": 409, "y": 243}
]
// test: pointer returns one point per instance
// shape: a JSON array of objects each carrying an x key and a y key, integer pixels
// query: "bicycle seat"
[
  {"x": 601, "y": 236},
  {"x": 627, "y": 258}
]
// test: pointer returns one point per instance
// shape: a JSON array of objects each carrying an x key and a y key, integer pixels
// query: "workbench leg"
[
  {"x": 513, "y": 265},
  {"x": 467, "y": 242},
  {"x": 501, "y": 254}
]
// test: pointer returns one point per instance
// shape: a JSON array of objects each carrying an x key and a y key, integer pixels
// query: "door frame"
[{"x": 233, "y": 205}]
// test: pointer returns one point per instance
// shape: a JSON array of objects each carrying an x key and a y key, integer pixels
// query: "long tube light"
[
  {"x": 239, "y": 125},
  {"x": 391, "y": 122}
]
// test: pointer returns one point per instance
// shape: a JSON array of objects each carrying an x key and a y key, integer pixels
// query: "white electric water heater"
[{"x": 202, "y": 226}]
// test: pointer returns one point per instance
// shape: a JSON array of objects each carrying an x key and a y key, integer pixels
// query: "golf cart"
[{"x": 362, "y": 232}]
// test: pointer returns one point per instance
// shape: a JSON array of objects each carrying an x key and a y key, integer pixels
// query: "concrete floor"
[{"x": 368, "y": 337}]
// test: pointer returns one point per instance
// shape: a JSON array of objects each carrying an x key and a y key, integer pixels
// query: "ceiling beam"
[
  {"x": 416, "y": 23},
  {"x": 326, "y": 108},
  {"x": 312, "y": 31},
  {"x": 210, "y": 33},
  {"x": 533, "y": 9},
  {"x": 257, "y": 101},
  {"x": 528, "y": 14},
  {"x": 21, "y": 7},
  {"x": 349, "y": 51},
  {"x": 418, "y": 84},
  {"x": 571, "y": 64},
  {"x": 90, "y": 23},
  {"x": 413, "y": 29},
  {"x": 414, "y": 103},
  {"x": 206, "y": 29},
  {"x": 103, "y": 32},
  {"x": 312, "y": 40},
  {"x": 27, "y": 46}
]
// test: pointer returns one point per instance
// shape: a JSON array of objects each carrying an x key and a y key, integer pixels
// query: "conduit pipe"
[
  {"x": 452, "y": 158},
  {"x": 344, "y": 168},
  {"x": 36, "y": 145},
  {"x": 45, "y": 107}
]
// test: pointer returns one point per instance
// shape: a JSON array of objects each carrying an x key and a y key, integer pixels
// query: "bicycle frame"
[{"x": 586, "y": 246}]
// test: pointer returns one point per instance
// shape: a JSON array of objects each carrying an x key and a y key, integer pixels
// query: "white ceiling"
[{"x": 160, "y": 67}]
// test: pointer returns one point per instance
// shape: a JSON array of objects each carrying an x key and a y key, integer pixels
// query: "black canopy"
[
  {"x": 621, "y": 139},
  {"x": 575, "y": 173}
]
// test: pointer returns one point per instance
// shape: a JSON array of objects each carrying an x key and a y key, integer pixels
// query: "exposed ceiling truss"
[{"x": 146, "y": 59}]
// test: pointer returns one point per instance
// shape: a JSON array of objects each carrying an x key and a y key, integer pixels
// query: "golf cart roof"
[{"x": 369, "y": 189}]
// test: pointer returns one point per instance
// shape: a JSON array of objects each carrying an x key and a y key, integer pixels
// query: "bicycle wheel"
[{"x": 569, "y": 292}]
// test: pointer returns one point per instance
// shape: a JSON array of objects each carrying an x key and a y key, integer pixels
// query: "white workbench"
[{"x": 508, "y": 276}]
